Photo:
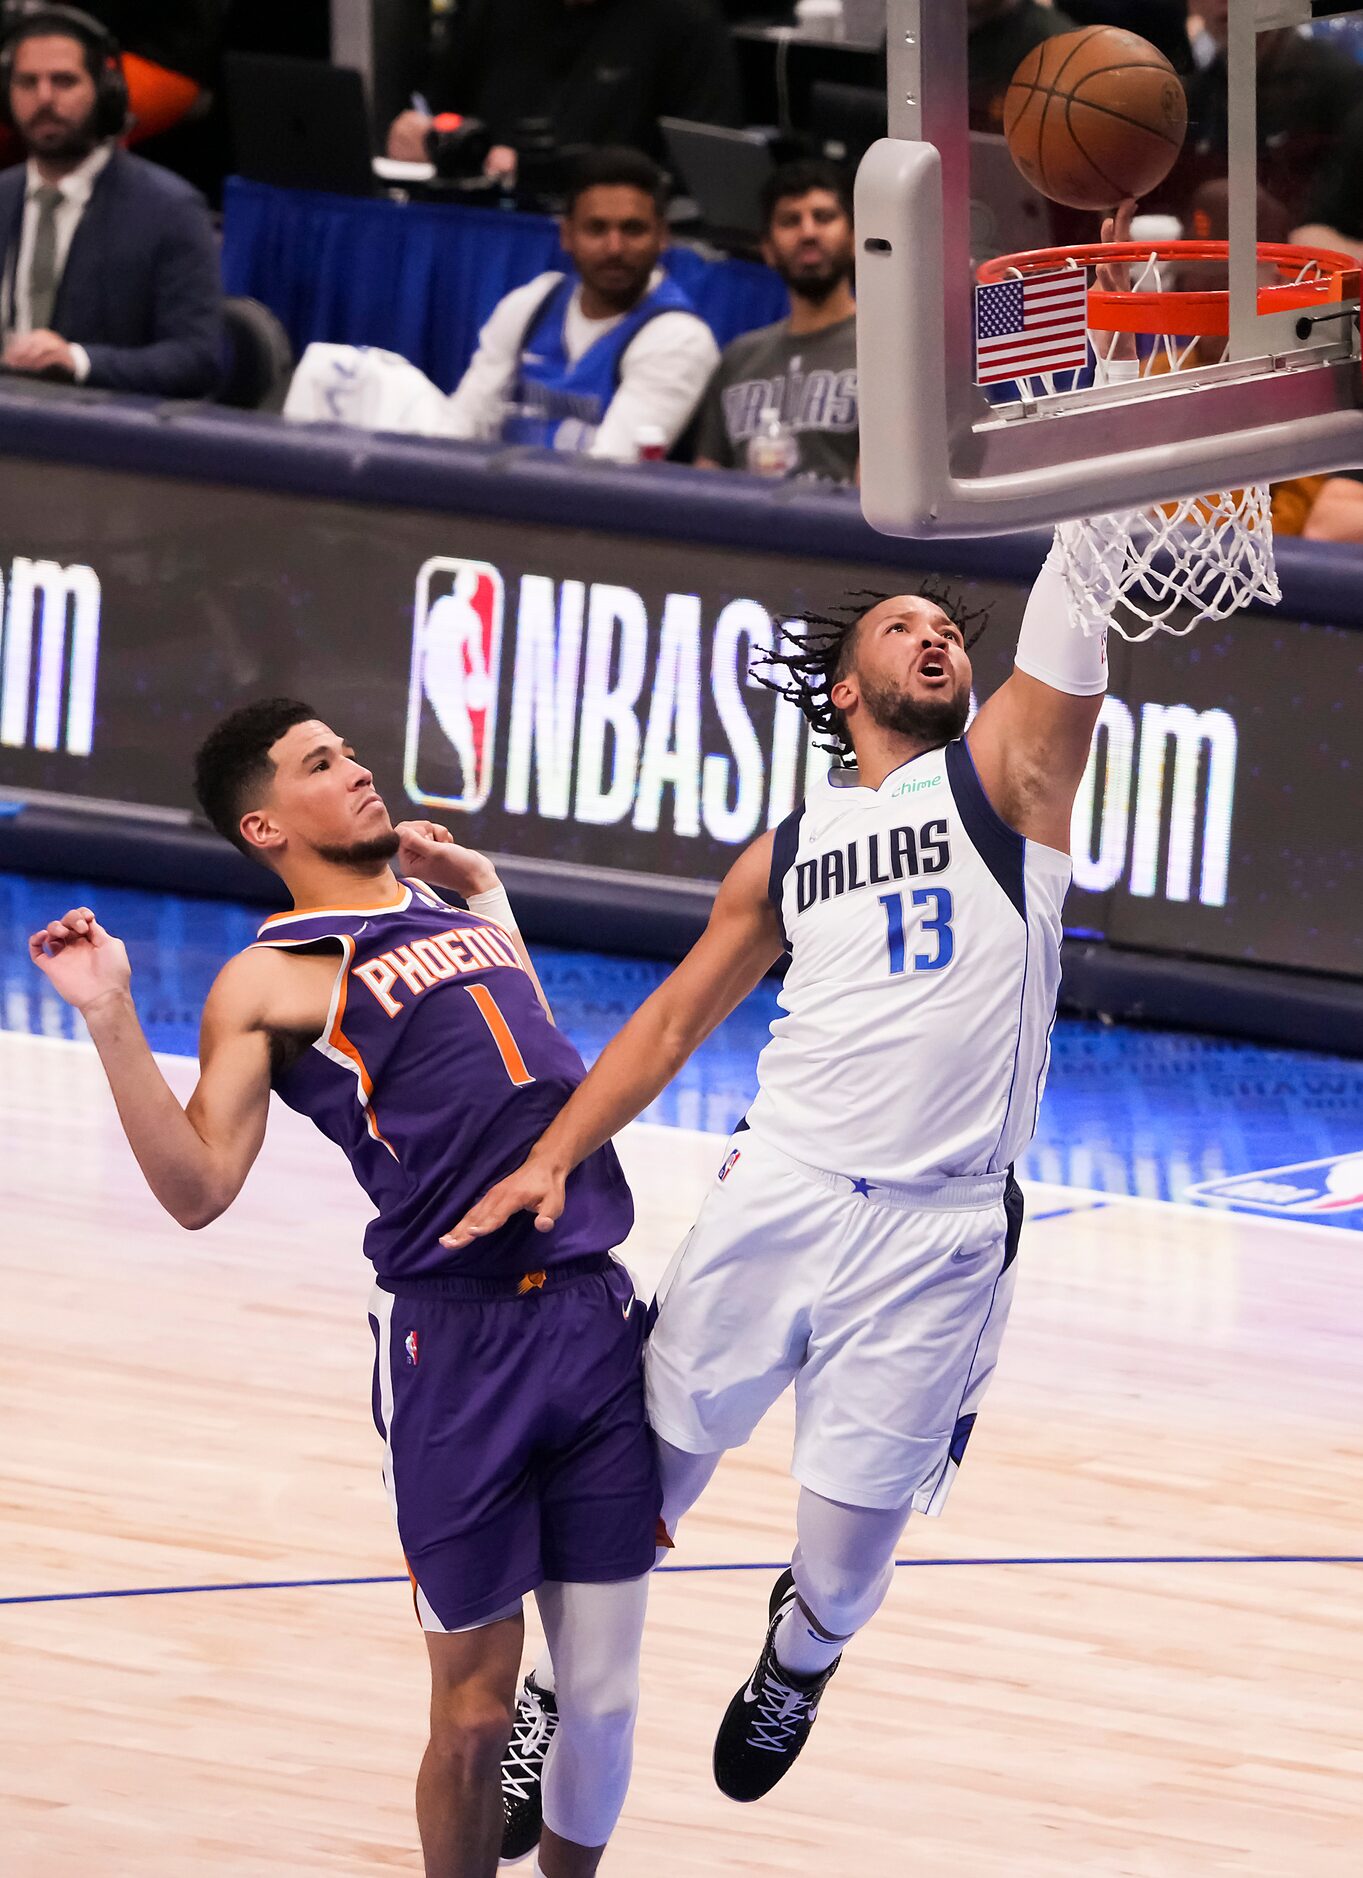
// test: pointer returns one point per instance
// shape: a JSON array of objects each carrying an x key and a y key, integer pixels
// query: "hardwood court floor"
[{"x": 1073, "y": 1695}]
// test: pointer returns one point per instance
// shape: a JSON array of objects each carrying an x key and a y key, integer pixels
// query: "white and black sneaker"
[
  {"x": 769, "y": 1720},
  {"x": 523, "y": 1770}
]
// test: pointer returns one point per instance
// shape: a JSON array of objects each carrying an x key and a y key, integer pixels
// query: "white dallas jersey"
[{"x": 925, "y": 963}]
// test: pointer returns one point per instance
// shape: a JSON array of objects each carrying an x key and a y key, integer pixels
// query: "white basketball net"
[
  {"x": 1169, "y": 568},
  {"x": 1146, "y": 571}
]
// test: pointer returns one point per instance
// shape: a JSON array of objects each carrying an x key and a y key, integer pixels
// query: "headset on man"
[{"x": 102, "y": 54}]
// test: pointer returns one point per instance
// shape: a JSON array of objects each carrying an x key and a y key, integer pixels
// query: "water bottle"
[{"x": 773, "y": 449}]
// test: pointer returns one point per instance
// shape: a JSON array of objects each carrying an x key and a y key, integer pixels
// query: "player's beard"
[
  {"x": 361, "y": 854},
  {"x": 930, "y": 721}
]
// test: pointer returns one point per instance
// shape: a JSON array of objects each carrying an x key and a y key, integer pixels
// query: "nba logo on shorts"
[
  {"x": 730, "y": 1164},
  {"x": 409, "y": 1345},
  {"x": 1304, "y": 1188},
  {"x": 452, "y": 697}
]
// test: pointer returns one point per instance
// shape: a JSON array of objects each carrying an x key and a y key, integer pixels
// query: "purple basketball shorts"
[{"x": 516, "y": 1445}]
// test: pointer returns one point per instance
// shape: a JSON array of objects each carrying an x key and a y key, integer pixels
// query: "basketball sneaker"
[
  {"x": 769, "y": 1720},
  {"x": 523, "y": 1771}
]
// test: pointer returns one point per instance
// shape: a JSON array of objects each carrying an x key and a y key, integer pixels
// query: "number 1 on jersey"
[
  {"x": 939, "y": 926},
  {"x": 507, "y": 1047}
]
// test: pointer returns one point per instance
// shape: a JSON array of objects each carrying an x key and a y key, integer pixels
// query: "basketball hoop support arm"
[{"x": 936, "y": 458}]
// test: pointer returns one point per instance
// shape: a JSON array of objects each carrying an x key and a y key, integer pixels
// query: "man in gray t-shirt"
[{"x": 805, "y": 367}]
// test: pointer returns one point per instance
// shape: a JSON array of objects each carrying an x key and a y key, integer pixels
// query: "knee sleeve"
[
  {"x": 603, "y": 1699},
  {"x": 844, "y": 1561},
  {"x": 586, "y": 1775},
  {"x": 841, "y": 1601},
  {"x": 594, "y": 1633}
]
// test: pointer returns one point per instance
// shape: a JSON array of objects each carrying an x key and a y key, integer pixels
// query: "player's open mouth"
[{"x": 932, "y": 668}]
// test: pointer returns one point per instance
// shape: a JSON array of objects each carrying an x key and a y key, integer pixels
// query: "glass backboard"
[{"x": 938, "y": 457}]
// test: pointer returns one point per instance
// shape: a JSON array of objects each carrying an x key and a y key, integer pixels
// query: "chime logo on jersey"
[
  {"x": 1332, "y": 1185},
  {"x": 452, "y": 696},
  {"x": 410, "y": 1345}
]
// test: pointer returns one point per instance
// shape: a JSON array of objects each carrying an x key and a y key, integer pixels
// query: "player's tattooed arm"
[
  {"x": 739, "y": 946},
  {"x": 195, "y": 1159}
]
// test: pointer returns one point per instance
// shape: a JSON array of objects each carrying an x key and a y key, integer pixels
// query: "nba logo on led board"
[{"x": 452, "y": 698}]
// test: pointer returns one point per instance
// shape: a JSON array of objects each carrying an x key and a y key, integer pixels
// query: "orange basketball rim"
[{"x": 1308, "y": 279}]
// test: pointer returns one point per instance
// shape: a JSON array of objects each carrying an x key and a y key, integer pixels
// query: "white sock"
[
  {"x": 800, "y": 1648},
  {"x": 543, "y": 1672}
]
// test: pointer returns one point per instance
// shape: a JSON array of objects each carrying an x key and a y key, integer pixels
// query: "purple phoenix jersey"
[{"x": 436, "y": 1073}]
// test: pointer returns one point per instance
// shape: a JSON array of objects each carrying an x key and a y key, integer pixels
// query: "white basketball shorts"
[{"x": 884, "y": 1307}]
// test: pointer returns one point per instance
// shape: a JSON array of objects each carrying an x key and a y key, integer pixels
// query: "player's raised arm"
[
  {"x": 1031, "y": 740},
  {"x": 431, "y": 853},
  {"x": 194, "y": 1160},
  {"x": 740, "y": 944}
]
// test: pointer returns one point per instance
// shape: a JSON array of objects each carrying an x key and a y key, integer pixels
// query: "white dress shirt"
[{"x": 76, "y": 190}]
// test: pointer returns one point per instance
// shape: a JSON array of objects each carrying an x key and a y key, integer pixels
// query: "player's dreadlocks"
[{"x": 820, "y": 644}]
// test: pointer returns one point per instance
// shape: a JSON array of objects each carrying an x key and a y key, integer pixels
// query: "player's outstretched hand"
[
  {"x": 534, "y": 1188},
  {"x": 1116, "y": 278},
  {"x": 83, "y": 961},
  {"x": 429, "y": 852}
]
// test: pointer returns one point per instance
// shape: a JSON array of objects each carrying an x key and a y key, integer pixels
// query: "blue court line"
[
  {"x": 1062, "y": 1212},
  {"x": 1078, "y": 1558},
  {"x": 181, "y": 1591},
  {"x": 768, "y": 1565}
]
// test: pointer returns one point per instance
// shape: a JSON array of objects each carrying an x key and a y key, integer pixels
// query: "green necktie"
[{"x": 42, "y": 280}]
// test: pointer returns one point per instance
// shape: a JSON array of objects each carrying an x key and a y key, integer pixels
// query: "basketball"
[{"x": 1094, "y": 116}]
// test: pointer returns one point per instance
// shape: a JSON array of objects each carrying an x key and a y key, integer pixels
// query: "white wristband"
[
  {"x": 1111, "y": 371},
  {"x": 495, "y": 904},
  {"x": 1049, "y": 648}
]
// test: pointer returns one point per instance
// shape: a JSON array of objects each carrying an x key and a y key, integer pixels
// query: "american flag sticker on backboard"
[{"x": 1028, "y": 326}]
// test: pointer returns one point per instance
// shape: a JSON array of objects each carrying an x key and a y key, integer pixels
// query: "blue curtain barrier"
[{"x": 420, "y": 279}]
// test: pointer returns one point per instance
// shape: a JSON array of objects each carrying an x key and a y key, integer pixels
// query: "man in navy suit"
[{"x": 108, "y": 265}]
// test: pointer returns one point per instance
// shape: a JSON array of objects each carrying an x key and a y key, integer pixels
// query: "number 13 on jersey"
[{"x": 934, "y": 928}]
